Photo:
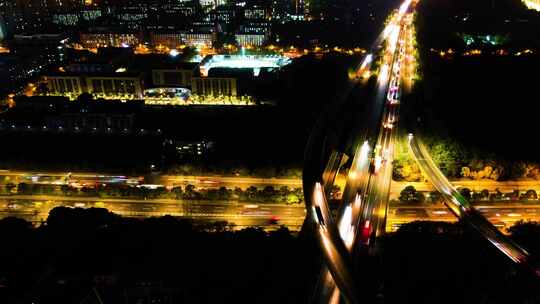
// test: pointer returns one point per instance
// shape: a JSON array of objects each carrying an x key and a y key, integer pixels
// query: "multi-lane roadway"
[
  {"x": 36, "y": 209},
  {"x": 464, "y": 210},
  {"x": 231, "y": 182},
  {"x": 270, "y": 216},
  {"x": 365, "y": 199}
]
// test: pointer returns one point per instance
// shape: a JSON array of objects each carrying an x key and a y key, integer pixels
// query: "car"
[
  {"x": 274, "y": 220},
  {"x": 365, "y": 233},
  {"x": 319, "y": 217},
  {"x": 386, "y": 154},
  {"x": 378, "y": 162}
]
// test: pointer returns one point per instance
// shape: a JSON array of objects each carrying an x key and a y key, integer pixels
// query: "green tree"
[
  {"x": 224, "y": 193},
  {"x": 292, "y": 199},
  {"x": 496, "y": 196},
  {"x": 251, "y": 192},
  {"x": 484, "y": 194},
  {"x": 177, "y": 192},
  {"x": 64, "y": 189},
  {"x": 24, "y": 188},
  {"x": 531, "y": 195},
  {"x": 189, "y": 192},
  {"x": 284, "y": 191},
  {"x": 435, "y": 197},
  {"x": 408, "y": 194},
  {"x": 268, "y": 193},
  {"x": 238, "y": 193},
  {"x": 10, "y": 187},
  {"x": 188, "y": 53}
]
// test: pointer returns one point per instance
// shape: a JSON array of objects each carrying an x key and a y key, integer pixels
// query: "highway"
[
  {"x": 463, "y": 209},
  {"x": 501, "y": 216},
  {"x": 373, "y": 216},
  {"x": 473, "y": 185},
  {"x": 35, "y": 208},
  {"x": 365, "y": 190},
  {"x": 242, "y": 214},
  {"x": 231, "y": 182}
]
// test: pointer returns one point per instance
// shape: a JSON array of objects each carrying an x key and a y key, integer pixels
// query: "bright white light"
[
  {"x": 319, "y": 196},
  {"x": 174, "y": 53},
  {"x": 345, "y": 223},
  {"x": 346, "y": 229},
  {"x": 383, "y": 74},
  {"x": 387, "y": 30},
  {"x": 125, "y": 45},
  {"x": 378, "y": 163},
  {"x": 364, "y": 153},
  {"x": 367, "y": 60},
  {"x": 532, "y": 5},
  {"x": 403, "y": 8},
  {"x": 357, "y": 201},
  {"x": 394, "y": 36},
  {"x": 439, "y": 212}
]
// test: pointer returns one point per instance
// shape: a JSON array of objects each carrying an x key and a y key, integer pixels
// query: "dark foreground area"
[{"x": 94, "y": 256}]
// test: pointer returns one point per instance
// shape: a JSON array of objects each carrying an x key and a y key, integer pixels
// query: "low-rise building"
[
  {"x": 214, "y": 86},
  {"x": 101, "y": 85},
  {"x": 116, "y": 86},
  {"x": 173, "y": 77}
]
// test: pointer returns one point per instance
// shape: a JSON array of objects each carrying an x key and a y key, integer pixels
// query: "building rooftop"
[{"x": 255, "y": 62}]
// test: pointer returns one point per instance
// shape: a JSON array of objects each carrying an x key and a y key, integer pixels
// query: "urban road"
[
  {"x": 245, "y": 182},
  {"x": 35, "y": 208}
]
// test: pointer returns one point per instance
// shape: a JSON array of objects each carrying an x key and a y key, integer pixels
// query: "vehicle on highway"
[
  {"x": 365, "y": 233},
  {"x": 378, "y": 160},
  {"x": 319, "y": 217},
  {"x": 393, "y": 98},
  {"x": 274, "y": 220}
]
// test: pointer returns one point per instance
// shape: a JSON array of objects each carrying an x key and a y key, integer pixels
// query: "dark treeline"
[
  {"x": 172, "y": 259},
  {"x": 268, "y": 194},
  {"x": 79, "y": 253}
]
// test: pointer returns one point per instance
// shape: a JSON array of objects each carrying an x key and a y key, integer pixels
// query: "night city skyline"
[{"x": 256, "y": 151}]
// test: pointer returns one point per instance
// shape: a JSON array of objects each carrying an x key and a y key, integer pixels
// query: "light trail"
[{"x": 461, "y": 207}]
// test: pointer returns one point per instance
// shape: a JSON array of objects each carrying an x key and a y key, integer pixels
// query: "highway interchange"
[{"x": 364, "y": 214}]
